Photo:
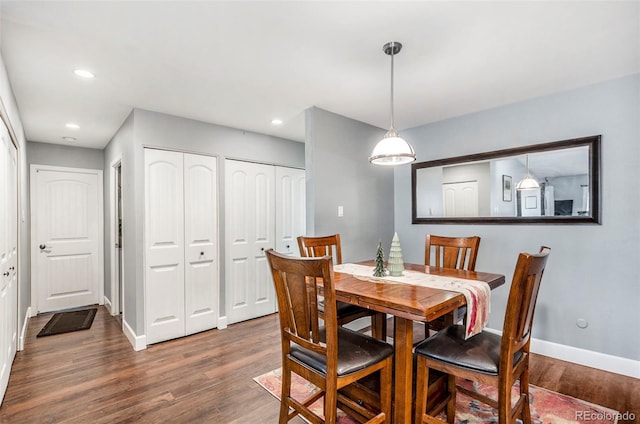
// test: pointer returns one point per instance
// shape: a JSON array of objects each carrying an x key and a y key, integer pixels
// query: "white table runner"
[{"x": 476, "y": 293}]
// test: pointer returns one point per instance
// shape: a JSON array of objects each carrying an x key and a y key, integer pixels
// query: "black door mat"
[{"x": 66, "y": 322}]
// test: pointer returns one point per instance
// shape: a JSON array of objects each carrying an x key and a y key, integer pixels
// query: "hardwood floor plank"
[{"x": 94, "y": 376}]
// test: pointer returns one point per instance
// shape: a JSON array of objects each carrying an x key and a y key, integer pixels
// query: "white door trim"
[
  {"x": 115, "y": 307},
  {"x": 34, "y": 243}
]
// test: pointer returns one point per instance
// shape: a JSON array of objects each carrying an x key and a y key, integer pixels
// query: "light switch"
[{"x": 340, "y": 211}]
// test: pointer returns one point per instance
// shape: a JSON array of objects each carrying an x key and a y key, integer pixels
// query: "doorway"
[
  {"x": 66, "y": 238},
  {"x": 117, "y": 249}
]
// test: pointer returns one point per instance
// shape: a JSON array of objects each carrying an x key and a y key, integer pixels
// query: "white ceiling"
[{"x": 242, "y": 63}]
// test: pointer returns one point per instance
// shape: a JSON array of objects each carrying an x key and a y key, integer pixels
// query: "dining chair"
[
  {"x": 331, "y": 245},
  {"x": 450, "y": 252},
  {"x": 329, "y": 356},
  {"x": 487, "y": 358}
]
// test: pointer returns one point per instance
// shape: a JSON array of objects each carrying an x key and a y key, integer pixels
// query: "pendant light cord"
[{"x": 393, "y": 127}]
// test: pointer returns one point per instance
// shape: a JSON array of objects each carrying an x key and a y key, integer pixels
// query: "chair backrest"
[
  {"x": 451, "y": 252},
  {"x": 518, "y": 319},
  {"x": 296, "y": 284},
  {"x": 312, "y": 247}
]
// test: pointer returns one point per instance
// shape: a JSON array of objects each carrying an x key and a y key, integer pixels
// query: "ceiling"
[{"x": 243, "y": 63}]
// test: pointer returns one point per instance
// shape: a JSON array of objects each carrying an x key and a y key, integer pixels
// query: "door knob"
[
  {"x": 6, "y": 274},
  {"x": 43, "y": 246}
]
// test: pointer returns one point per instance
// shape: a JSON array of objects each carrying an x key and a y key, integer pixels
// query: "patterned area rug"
[{"x": 547, "y": 407}]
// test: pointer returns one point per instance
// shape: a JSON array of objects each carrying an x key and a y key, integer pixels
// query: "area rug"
[
  {"x": 547, "y": 407},
  {"x": 66, "y": 322}
]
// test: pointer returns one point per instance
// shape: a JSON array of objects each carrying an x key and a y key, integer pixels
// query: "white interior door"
[
  {"x": 290, "y": 209},
  {"x": 8, "y": 257},
  {"x": 66, "y": 236},
  {"x": 249, "y": 231},
  {"x": 164, "y": 245},
  {"x": 460, "y": 199},
  {"x": 201, "y": 241}
]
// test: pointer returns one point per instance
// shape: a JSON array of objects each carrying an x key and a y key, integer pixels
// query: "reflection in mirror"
[{"x": 482, "y": 187}]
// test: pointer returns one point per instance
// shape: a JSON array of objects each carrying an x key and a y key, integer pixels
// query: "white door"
[
  {"x": 181, "y": 244},
  {"x": 290, "y": 209},
  {"x": 66, "y": 236},
  {"x": 249, "y": 231},
  {"x": 201, "y": 242},
  {"x": 8, "y": 257},
  {"x": 164, "y": 245},
  {"x": 460, "y": 199}
]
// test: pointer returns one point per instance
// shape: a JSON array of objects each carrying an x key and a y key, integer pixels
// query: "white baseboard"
[
  {"x": 138, "y": 342},
  {"x": 23, "y": 331},
  {"x": 107, "y": 304},
  {"x": 222, "y": 323},
  {"x": 588, "y": 358}
]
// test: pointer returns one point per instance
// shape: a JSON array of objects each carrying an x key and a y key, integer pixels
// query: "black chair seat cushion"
[
  {"x": 343, "y": 309},
  {"x": 356, "y": 351},
  {"x": 480, "y": 352}
]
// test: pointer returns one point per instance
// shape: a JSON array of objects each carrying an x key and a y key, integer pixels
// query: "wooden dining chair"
[
  {"x": 487, "y": 358},
  {"x": 331, "y": 246},
  {"x": 450, "y": 252},
  {"x": 327, "y": 355}
]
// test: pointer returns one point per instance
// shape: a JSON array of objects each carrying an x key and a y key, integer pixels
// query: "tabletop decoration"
[
  {"x": 396, "y": 264},
  {"x": 379, "y": 270}
]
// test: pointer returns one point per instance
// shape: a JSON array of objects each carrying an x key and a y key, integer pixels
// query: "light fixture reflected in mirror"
[
  {"x": 392, "y": 149},
  {"x": 528, "y": 182}
]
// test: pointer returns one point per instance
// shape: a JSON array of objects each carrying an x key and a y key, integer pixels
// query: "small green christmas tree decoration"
[
  {"x": 396, "y": 264},
  {"x": 379, "y": 270}
]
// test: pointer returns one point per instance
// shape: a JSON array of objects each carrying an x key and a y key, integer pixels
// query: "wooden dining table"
[{"x": 407, "y": 303}]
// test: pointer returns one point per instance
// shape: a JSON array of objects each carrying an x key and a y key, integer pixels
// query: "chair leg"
[
  {"x": 451, "y": 405},
  {"x": 504, "y": 404},
  {"x": 524, "y": 390},
  {"x": 330, "y": 403},
  {"x": 385, "y": 390},
  {"x": 422, "y": 377},
  {"x": 284, "y": 396}
]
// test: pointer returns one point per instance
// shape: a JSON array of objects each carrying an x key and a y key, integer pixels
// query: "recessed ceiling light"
[
  {"x": 67, "y": 138},
  {"x": 83, "y": 73},
  {"x": 72, "y": 126},
  {"x": 276, "y": 121}
]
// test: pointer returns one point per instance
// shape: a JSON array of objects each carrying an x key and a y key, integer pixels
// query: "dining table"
[{"x": 407, "y": 303}]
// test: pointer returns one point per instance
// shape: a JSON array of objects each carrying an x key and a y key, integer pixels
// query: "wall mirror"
[{"x": 481, "y": 188}]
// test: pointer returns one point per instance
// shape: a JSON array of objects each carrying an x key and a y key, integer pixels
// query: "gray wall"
[
  {"x": 150, "y": 129},
  {"x": 593, "y": 270},
  {"x": 339, "y": 174},
  {"x": 66, "y": 156}
]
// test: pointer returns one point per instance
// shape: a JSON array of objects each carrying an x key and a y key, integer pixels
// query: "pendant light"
[
  {"x": 528, "y": 182},
  {"x": 392, "y": 150}
]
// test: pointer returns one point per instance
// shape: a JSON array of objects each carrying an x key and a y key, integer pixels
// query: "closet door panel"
[
  {"x": 290, "y": 209},
  {"x": 201, "y": 235},
  {"x": 250, "y": 230},
  {"x": 164, "y": 245}
]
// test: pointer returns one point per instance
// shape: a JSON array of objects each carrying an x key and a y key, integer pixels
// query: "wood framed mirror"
[{"x": 481, "y": 188}]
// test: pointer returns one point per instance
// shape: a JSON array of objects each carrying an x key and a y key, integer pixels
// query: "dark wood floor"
[{"x": 94, "y": 376}]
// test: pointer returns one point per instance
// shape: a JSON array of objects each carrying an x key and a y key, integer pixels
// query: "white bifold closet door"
[
  {"x": 181, "y": 244},
  {"x": 264, "y": 208},
  {"x": 8, "y": 257}
]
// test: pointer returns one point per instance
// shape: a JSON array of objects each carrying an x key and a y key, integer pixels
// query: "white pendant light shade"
[
  {"x": 392, "y": 150},
  {"x": 528, "y": 182}
]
